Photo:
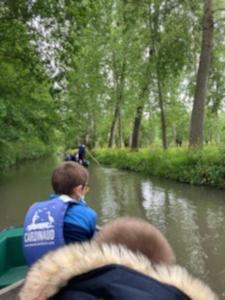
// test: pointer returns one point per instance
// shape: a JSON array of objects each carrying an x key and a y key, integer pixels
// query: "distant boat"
[
  {"x": 71, "y": 157},
  {"x": 13, "y": 268}
]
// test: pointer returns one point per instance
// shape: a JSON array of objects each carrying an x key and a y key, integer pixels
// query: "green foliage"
[
  {"x": 27, "y": 109},
  {"x": 205, "y": 167},
  {"x": 156, "y": 40},
  {"x": 62, "y": 79}
]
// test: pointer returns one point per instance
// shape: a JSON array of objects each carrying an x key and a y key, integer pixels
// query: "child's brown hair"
[
  {"x": 138, "y": 236},
  {"x": 67, "y": 176}
]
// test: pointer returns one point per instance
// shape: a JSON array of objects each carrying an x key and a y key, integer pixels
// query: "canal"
[{"x": 192, "y": 218}]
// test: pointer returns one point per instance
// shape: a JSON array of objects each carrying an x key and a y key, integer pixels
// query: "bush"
[
  {"x": 11, "y": 153},
  {"x": 202, "y": 167}
]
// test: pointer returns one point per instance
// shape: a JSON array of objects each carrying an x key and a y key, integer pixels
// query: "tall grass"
[
  {"x": 12, "y": 153},
  {"x": 201, "y": 167}
]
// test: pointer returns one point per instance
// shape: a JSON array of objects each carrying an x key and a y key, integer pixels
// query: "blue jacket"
[
  {"x": 79, "y": 220},
  {"x": 54, "y": 223}
]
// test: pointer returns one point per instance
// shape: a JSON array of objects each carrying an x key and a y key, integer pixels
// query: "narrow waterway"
[{"x": 192, "y": 218}]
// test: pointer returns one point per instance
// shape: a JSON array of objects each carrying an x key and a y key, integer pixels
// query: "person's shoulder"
[
  {"x": 88, "y": 209},
  {"x": 82, "y": 207},
  {"x": 53, "y": 196},
  {"x": 39, "y": 202},
  {"x": 89, "y": 212}
]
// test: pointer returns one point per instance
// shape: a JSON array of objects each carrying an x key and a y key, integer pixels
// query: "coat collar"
[{"x": 56, "y": 268}]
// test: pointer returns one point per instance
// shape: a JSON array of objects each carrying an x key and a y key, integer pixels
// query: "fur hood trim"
[{"x": 55, "y": 269}]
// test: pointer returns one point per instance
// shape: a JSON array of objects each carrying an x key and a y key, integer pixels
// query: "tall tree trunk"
[
  {"x": 120, "y": 131},
  {"x": 197, "y": 118},
  {"x": 93, "y": 131},
  {"x": 113, "y": 127},
  {"x": 137, "y": 127},
  {"x": 144, "y": 91},
  {"x": 119, "y": 82},
  {"x": 162, "y": 113},
  {"x": 139, "y": 111}
]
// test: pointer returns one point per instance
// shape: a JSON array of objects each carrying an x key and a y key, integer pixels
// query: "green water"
[{"x": 192, "y": 218}]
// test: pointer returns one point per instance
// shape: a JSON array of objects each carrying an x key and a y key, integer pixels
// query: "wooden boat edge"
[{"x": 11, "y": 288}]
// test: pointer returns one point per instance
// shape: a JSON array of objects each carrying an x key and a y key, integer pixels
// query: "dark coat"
[
  {"x": 117, "y": 282},
  {"x": 88, "y": 271}
]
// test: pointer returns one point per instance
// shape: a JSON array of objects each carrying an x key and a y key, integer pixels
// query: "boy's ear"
[{"x": 78, "y": 189}]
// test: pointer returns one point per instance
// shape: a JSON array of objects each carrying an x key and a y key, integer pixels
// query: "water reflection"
[
  {"x": 192, "y": 218},
  {"x": 21, "y": 186},
  {"x": 175, "y": 217},
  {"x": 114, "y": 194}
]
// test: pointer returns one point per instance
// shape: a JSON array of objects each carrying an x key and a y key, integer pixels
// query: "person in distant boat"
[
  {"x": 81, "y": 153},
  {"x": 64, "y": 218}
]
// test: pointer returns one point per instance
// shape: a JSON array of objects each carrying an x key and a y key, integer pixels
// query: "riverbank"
[
  {"x": 200, "y": 167},
  {"x": 13, "y": 153}
]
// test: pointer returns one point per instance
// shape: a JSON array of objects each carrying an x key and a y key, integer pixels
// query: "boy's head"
[
  {"x": 138, "y": 236},
  {"x": 69, "y": 176}
]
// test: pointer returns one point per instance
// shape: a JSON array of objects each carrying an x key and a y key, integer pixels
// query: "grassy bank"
[
  {"x": 202, "y": 167},
  {"x": 13, "y": 153}
]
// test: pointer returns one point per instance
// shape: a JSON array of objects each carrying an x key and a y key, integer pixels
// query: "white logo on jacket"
[{"x": 41, "y": 228}]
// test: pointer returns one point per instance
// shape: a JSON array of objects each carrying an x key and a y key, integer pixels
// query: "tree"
[{"x": 197, "y": 118}]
